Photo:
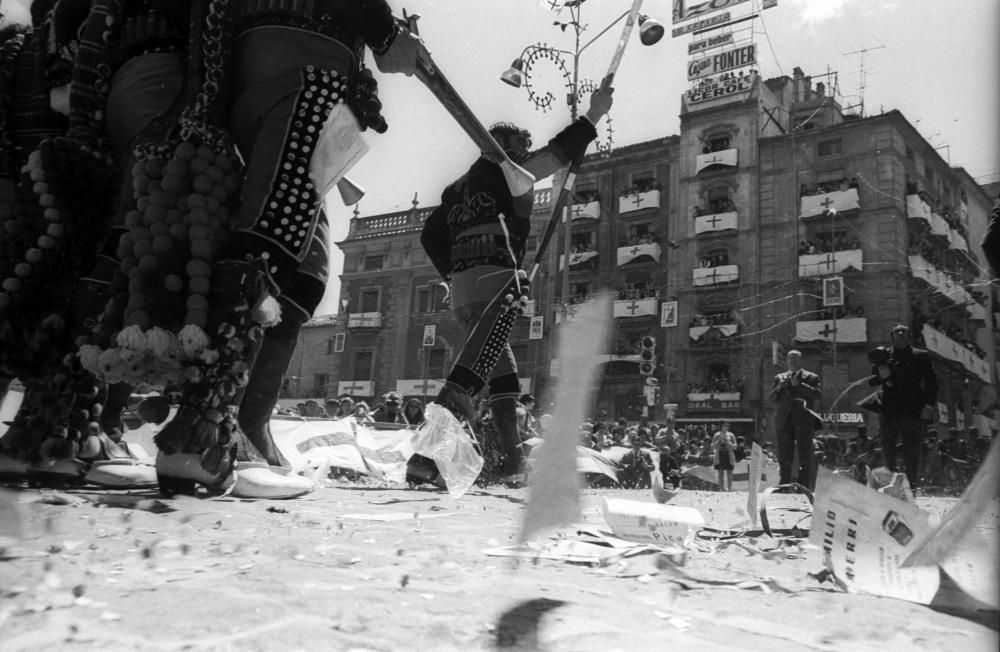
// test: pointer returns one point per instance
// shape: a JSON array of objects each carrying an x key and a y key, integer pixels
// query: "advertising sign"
[
  {"x": 723, "y": 62},
  {"x": 699, "y": 25},
  {"x": 695, "y": 47},
  {"x": 719, "y": 88},
  {"x": 690, "y": 9}
]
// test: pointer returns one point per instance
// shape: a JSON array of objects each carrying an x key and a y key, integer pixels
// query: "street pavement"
[{"x": 363, "y": 566}]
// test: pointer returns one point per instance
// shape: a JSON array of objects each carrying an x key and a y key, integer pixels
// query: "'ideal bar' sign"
[{"x": 723, "y": 62}]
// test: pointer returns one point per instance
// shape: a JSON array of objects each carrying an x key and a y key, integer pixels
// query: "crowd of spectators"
[
  {"x": 715, "y": 206},
  {"x": 411, "y": 411},
  {"x": 715, "y": 260},
  {"x": 826, "y": 243},
  {"x": 806, "y": 190},
  {"x": 953, "y": 331},
  {"x": 646, "y": 237},
  {"x": 643, "y": 290}
]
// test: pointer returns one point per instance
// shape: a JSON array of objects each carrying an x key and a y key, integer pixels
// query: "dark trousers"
[
  {"x": 789, "y": 438},
  {"x": 905, "y": 429}
]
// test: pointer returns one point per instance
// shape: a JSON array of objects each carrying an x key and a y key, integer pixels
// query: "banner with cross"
[
  {"x": 637, "y": 201},
  {"x": 837, "y": 201},
  {"x": 629, "y": 253},
  {"x": 355, "y": 388},
  {"x": 715, "y": 222},
  {"x": 635, "y": 307}
]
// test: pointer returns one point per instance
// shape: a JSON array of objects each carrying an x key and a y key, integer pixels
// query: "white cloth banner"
[
  {"x": 576, "y": 259},
  {"x": 957, "y": 241},
  {"x": 851, "y": 330},
  {"x": 728, "y": 157},
  {"x": 939, "y": 226},
  {"x": 939, "y": 343},
  {"x": 715, "y": 222},
  {"x": 355, "y": 388},
  {"x": 631, "y": 252},
  {"x": 838, "y": 200},
  {"x": 697, "y": 332},
  {"x": 917, "y": 208},
  {"x": 415, "y": 386},
  {"x": 638, "y": 201},
  {"x": 716, "y": 275},
  {"x": 939, "y": 280},
  {"x": 830, "y": 263},
  {"x": 635, "y": 307},
  {"x": 588, "y": 211}
]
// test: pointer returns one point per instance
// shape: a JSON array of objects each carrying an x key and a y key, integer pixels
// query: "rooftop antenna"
[{"x": 862, "y": 74}]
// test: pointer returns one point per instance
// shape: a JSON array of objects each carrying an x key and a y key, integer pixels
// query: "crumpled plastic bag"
[{"x": 443, "y": 439}]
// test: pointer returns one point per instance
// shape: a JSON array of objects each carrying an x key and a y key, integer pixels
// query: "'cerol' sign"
[{"x": 723, "y": 61}]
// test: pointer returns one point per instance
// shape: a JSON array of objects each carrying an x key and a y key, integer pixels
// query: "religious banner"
[
  {"x": 668, "y": 314},
  {"x": 635, "y": 307},
  {"x": 848, "y": 331},
  {"x": 589, "y": 210},
  {"x": 716, "y": 275},
  {"x": 939, "y": 280},
  {"x": 536, "y": 330},
  {"x": 419, "y": 386},
  {"x": 830, "y": 263},
  {"x": 715, "y": 222},
  {"x": 637, "y": 201},
  {"x": 631, "y": 252},
  {"x": 577, "y": 258},
  {"x": 430, "y": 335},
  {"x": 355, "y": 388},
  {"x": 833, "y": 291},
  {"x": 728, "y": 157},
  {"x": 837, "y": 201},
  {"x": 939, "y": 343}
]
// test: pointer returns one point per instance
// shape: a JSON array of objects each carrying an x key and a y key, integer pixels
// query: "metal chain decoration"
[{"x": 537, "y": 54}]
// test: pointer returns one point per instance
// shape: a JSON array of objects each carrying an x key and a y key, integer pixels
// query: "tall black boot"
[
  {"x": 504, "y": 411},
  {"x": 261, "y": 395}
]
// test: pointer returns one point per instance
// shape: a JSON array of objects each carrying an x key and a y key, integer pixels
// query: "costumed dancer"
[
  {"x": 55, "y": 225},
  {"x": 476, "y": 240},
  {"x": 291, "y": 63}
]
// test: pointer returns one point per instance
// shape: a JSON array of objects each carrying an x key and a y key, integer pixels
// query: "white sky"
[{"x": 940, "y": 66}]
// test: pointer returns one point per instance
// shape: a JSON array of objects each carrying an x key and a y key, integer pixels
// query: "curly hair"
[{"x": 504, "y": 131}]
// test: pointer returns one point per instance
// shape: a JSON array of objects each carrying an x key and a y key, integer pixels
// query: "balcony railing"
[
  {"x": 918, "y": 209},
  {"x": 830, "y": 263},
  {"x": 839, "y": 200},
  {"x": 851, "y": 330},
  {"x": 727, "y": 157},
  {"x": 585, "y": 211},
  {"x": 923, "y": 270},
  {"x": 942, "y": 345},
  {"x": 636, "y": 307},
  {"x": 577, "y": 258},
  {"x": 638, "y": 201},
  {"x": 710, "y": 276},
  {"x": 715, "y": 222},
  {"x": 629, "y": 253},
  {"x": 364, "y": 320}
]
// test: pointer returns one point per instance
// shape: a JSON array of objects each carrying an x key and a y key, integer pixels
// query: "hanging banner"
[
  {"x": 536, "y": 330},
  {"x": 723, "y": 62},
  {"x": 430, "y": 335},
  {"x": 668, "y": 314}
]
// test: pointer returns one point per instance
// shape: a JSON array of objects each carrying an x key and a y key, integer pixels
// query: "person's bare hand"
[{"x": 601, "y": 101}]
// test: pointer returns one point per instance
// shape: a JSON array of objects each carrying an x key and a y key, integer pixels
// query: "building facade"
[{"x": 775, "y": 220}]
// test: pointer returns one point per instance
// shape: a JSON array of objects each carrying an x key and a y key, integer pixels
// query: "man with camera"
[
  {"x": 795, "y": 422},
  {"x": 909, "y": 393}
]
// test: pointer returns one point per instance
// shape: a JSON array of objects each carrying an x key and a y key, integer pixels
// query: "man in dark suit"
[
  {"x": 795, "y": 422},
  {"x": 909, "y": 393}
]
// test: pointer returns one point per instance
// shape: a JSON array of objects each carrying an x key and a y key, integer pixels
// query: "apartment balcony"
[
  {"x": 577, "y": 258},
  {"x": 957, "y": 241},
  {"x": 850, "y": 330},
  {"x": 629, "y": 253},
  {"x": 713, "y": 276},
  {"x": 944, "y": 284},
  {"x": 830, "y": 263},
  {"x": 636, "y": 307},
  {"x": 714, "y": 401},
  {"x": 715, "y": 222},
  {"x": 364, "y": 320},
  {"x": 570, "y": 311},
  {"x": 714, "y": 334},
  {"x": 948, "y": 349},
  {"x": 359, "y": 388},
  {"x": 722, "y": 158},
  {"x": 637, "y": 201},
  {"x": 839, "y": 201},
  {"x": 585, "y": 211},
  {"x": 918, "y": 209}
]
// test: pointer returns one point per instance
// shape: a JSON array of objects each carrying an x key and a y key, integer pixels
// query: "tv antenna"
[{"x": 862, "y": 74}]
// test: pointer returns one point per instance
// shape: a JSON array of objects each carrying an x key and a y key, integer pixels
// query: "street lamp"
[{"x": 520, "y": 73}]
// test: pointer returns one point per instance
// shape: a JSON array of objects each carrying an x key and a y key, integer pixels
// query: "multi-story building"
[{"x": 775, "y": 220}]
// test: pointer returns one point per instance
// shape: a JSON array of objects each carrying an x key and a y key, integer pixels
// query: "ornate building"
[{"x": 775, "y": 220}]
